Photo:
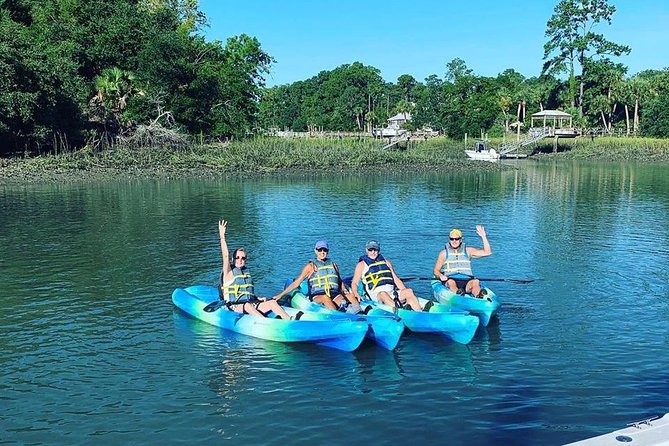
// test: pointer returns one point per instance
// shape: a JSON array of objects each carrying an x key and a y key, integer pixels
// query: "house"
[{"x": 394, "y": 127}]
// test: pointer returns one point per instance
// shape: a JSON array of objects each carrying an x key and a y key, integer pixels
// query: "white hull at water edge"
[
  {"x": 484, "y": 155},
  {"x": 652, "y": 432}
]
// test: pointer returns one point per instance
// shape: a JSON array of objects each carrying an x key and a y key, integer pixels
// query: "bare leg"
[
  {"x": 272, "y": 305},
  {"x": 386, "y": 299},
  {"x": 473, "y": 287},
  {"x": 326, "y": 301},
  {"x": 452, "y": 285},
  {"x": 407, "y": 295}
]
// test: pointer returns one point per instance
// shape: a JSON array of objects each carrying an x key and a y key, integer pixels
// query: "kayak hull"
[
  {"x": 384, "y": 327},
  {"x": 483, "y": 308},
  {"x": 337, "y": 333},
  {"x": 456, "y": 325}
]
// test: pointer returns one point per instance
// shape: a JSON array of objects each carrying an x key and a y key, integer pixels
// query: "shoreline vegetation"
[{"x": 279, "y": 156}]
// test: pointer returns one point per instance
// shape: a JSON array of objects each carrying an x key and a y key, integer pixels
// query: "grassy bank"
[
  {"x": 645, "y": 150},
  {"x": 255, "y": 157}
]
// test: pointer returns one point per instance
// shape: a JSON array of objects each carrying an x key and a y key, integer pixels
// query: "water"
[{"x": 92, "y": 350}]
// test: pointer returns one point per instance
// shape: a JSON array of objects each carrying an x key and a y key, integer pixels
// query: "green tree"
[{"x": 571, "y": 40}]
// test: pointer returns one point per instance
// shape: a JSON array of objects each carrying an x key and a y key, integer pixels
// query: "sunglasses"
[
  {"x": 455, "y": 238},
  {"x": 240, "y": 258},
  {"x": 372, "y": 249},
  {"x": 322, "y": 249}
]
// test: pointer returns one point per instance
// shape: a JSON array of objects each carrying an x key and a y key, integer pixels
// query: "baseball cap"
[{"x": 321, "y": 244}]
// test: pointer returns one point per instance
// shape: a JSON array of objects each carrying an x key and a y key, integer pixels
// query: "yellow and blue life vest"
[
  {"x": 378, "y": 272},
  {"x": 241, "y": 287},
  {"x": 325, "y": 280}
]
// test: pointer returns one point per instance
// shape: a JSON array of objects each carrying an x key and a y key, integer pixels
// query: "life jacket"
[
  {"x": 325, "y": 280},
  {"x": 241, "y": 287},
  {"x": 378, "y": 272},
  {"x": 457, "y": 262}
]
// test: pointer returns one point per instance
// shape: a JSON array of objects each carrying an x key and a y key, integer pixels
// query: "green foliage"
[
  {"x": 655, "y": 120},
  {"x": 72, "y": 68}
]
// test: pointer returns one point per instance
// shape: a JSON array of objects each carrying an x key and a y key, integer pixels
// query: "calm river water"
[{"x": 93, "y": 352}]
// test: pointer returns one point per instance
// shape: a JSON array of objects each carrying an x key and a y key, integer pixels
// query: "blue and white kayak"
[
  {"x": 457, "y": 325},
  {"x": 338, "y": 333},
  {"x": 385, "y": 328},
  {"x": 485, "y": 308}
]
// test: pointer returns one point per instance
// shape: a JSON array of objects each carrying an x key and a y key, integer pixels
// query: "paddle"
[{"x": 480, "y": 278}]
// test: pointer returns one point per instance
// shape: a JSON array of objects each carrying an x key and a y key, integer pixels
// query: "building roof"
[
  {"x": 551, "y": 114},
  {"x": 401, "y": 117}
]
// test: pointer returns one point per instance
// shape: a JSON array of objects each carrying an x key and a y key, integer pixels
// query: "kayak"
[
  {"x": 457, "y": 325},
  {"x": 650, "y": 432},
  {"x": 484, "y": 308},
  {"x": 384, "y": 327},
  {"x": 337, "y": 333}
]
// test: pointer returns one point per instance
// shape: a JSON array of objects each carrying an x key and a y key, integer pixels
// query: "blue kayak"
[
  {"x": 338, "y": 333},
  {"x": 456, "y": 325},
  {"x": 485, "y": 308},
  {"x": 384, "y": 327}
]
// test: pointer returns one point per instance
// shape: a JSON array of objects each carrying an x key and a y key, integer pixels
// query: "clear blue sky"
[{"x": 419, "y": 37}]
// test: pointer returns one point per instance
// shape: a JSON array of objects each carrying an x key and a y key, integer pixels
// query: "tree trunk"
[
  {"x": 627, "y": 119},
  {"x": 520, "y": 106},
  {"x": 606, "y": 126},
  {"x": 636, "y": 116}
]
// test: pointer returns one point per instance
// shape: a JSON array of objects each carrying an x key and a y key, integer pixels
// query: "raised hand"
[
  {"x": 480, "y": 230},
  {"x": 221, "y": 227}
]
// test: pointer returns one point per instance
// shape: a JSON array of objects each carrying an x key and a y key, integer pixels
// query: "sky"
[{"x": 420, "y": 37}]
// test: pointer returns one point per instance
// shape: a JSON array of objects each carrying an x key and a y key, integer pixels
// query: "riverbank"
[
  {"x": 263, "y": 156},
  {"x": 644, "y": 150},
  {"x": 253, "y": 157}
]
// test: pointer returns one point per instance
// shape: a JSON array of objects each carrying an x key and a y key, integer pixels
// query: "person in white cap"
[
  {"x": 325, "y": 284},
  {"x": 453, "y": 266},
  {"x": 380, "y": 281}
]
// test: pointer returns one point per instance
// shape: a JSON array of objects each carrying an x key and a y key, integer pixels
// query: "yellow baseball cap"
[{"x": 455, "y": 233}]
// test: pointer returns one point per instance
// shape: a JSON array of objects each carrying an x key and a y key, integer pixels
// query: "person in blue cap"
[
  {"x": 380, "y": 281},
  {"x": 325, "y": 284}
]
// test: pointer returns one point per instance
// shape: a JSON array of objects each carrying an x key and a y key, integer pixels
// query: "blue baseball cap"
[{"x": 321, "y": 244}]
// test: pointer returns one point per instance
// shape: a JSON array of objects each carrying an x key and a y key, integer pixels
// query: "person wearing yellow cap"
[{"x": 453, "y": 266}]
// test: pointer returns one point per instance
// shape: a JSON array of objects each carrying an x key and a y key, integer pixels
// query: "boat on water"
[
  {"x": 201, "y": 302},
  {"x": 385, "y": 328},
  {"x": 482, "y": 153},
  {"x": 485, "y": 308},
  {"x": 650, "y": 432}
]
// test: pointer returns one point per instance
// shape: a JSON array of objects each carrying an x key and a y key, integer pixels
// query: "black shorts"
[{"x": 461, "y": 283}]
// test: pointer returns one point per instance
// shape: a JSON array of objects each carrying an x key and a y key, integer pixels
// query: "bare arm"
[
  {"x": 341, "y": 281},
  {"x": 224, "y": 249},
  {"x": 438, "y": 264},
  {"x": 477, "y": 252},
  {"x": 308, "y": 270},
  {"x": 357, "y": 275},
  {"x": 398, "y": 282}
]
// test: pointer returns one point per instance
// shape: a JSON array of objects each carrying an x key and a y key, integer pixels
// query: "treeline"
[
  {"x": 76, "y": 72},
  {"x": 355, "y": 97},
  {"x": 578, "y": 76}
]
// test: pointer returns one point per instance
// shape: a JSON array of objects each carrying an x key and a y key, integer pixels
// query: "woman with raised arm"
[{"x": 236, "y": 288}]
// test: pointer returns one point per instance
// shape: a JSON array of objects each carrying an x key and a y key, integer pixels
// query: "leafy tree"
[{"x": 572, "y": 40}]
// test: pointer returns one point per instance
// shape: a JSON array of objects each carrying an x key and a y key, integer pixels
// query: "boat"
[
  {"x": 482, "y": 153},
  {"x": 337, "y": 333},
  {"x": 456, "y": 325},
  {"x": 385, "y": 328},
  {"x": 484, "y": 308},
  {"x": 650, "y": 432}
]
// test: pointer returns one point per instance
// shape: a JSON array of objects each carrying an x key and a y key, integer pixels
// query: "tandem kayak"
[
  {"x": 338, "y": 333},
  {"x": 457, "y": 325},
  {"x": 484, "y": 308},
  {"x": 384, "y": 327}
]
